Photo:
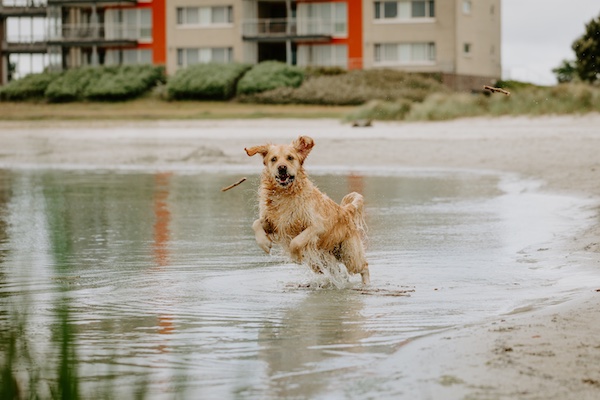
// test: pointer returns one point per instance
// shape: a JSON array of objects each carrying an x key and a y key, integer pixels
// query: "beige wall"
[
  {"x": 480, "y": 28},
  {"x": 184, "y": 37},
  {"x": 439, "y": 30},
  {"x": 449, "y": 30}
]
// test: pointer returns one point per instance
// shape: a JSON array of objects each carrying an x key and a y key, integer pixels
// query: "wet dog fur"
[{"x": 295, "y": 214}]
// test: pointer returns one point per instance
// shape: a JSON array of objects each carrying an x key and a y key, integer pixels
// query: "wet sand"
[{"x": 550, "y": 353}]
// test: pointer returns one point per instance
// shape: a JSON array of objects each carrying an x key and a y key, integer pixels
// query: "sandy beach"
[{"x": 547, "y": 353}]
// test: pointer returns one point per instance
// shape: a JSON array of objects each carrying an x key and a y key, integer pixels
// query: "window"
[
  {"x": 129, "y": 24},
  {"x": 323, "y": 55},
  {"x": 404, "y": 9},
  {"x": 466, "y": 6},
  {"x": 405, "y": 53},
  {"x": 203, "y": 16},
  {"x": 323, "y": 18},
  {"x": 186, "y": 57},
  {"x": 130, "y": 56},
  {"x": 467, "y": 48}
]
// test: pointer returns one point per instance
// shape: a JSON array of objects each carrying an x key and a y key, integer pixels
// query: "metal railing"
[
  {"x": 273, "y": 27},
  {"x": 90, "y": 32},
  {"x": 23, "y": 3}
]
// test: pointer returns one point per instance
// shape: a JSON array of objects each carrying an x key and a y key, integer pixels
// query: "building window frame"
[
  {"x": 323, "y": 17},
  {"x": 402, "y": 11},
  {"x": 467, "y": 7},
  {"x": 204, "y": 17},
  {"x": 467, "y": 49},
  {"x": 323, "y": 55},
  {"x": 405, "y": 54},
  {"x": 130, "y": 23},
  {"x": 187, "y": 56}
]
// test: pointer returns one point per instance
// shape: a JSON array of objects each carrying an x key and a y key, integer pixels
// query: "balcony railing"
[
  {"x": 93, "y": 33},
  {"x": 287, "y": 28}
]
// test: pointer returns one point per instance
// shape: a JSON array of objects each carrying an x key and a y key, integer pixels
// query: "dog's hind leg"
[
  {"x": 263, "y": 240},
  {"x": 352, "y": 255}
]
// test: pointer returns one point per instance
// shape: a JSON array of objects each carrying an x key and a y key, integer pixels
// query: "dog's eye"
[
  {"x": 274, "y": 159},
  {"x": 290, "y": 158}
]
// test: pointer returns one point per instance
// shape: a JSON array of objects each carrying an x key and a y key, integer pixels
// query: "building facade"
[{"x": 459, "y": 39}]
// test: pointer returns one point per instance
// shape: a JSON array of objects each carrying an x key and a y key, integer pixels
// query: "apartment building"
[
  {"x": 459, "y": 39},
  {"x": 86, "y": 32}
]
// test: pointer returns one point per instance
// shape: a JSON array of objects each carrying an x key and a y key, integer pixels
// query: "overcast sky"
[{"x": 537, "y": 35}]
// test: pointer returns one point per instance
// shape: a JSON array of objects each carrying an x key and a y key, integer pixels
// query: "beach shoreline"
[{"x": 549, "y": 353}]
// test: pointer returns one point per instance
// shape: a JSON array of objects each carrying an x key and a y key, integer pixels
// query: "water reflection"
[
  {"x": 322, "y": 333},
  {"x": 150, "y": 284}
]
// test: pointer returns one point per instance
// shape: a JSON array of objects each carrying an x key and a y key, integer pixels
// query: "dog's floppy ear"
[
  {"x": 303, "y": 146},
  {"x": 262, "y": 149}
]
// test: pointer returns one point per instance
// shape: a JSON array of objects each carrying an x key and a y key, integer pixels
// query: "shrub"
[
  {"x": 206, "y": 82},
  {"x": 381, "y": 110},
  {"x": 448, "y": 106},
  {"x": 71, "y": 85},
  {"x": 105, "y": 83},
  {"x": 124, "y": 83},
  {"x": 30, "y": 87},
  {"x": 269, "y": 75},
  {"x": 354, "y": 88},
  {"x": 524, "y": 100}
]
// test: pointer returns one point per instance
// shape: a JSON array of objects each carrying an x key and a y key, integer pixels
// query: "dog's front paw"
[
  {"x": 265, "y": 244},
  {"x": 296, "y": 252}
]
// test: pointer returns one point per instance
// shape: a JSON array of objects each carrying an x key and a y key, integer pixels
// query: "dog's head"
[{"x": 283, "y": 162}]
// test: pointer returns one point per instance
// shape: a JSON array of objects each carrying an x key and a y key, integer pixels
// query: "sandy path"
[{"x": 549, "y": 354}]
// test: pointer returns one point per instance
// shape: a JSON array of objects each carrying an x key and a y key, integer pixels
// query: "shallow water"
[{"x": 155, "y": 283}]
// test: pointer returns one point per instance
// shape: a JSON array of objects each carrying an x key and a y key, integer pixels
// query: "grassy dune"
[{"x": 154, "y": 109}]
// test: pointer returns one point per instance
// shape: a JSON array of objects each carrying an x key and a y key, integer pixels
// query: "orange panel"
[{"x": 159, "y": 32}]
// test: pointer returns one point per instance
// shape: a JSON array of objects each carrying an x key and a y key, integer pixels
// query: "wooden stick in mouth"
[
  {"x": 226, "y": 188},
  {"x": 495, "y": 89}
]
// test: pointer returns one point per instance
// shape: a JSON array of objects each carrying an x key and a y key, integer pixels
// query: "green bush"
[
  {"x": 206, "y": 82},
  {"x": 354, "y": 88},
  {"x": 124, "y": 83},
  {"x": 30, "y": 87},
  {"x": 269, "y": 75},
  {"x": 71, "y": 85}
]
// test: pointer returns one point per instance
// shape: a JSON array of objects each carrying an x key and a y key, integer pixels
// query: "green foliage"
[
  {"x": 206, "y": 82},
  {"x": 587, "y": 51},
  {"x": 326, "y": 71},
  {"x": 31, "y": 87},
  {"x": 353, "y": 88},
  {"x": 514, "y": 85},
  {"x": 124, "y": 83},
  {"x": 441, "y": 106},
  {"x": 381, "y": 110},
  {"x": 269, "y": 75},
  {"x": 105, "y": 83},
  {"x": 532, "y": 100},
  {"x": 71, "y": 85},
  {"x": 88, "y": 83},
  {"x": 565, "y": 72}
]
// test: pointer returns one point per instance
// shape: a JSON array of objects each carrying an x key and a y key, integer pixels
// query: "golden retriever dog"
[{"x": 294, "y": 213}]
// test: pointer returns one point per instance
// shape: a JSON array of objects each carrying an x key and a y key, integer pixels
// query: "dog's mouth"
[{"x": 284, "y": 179}]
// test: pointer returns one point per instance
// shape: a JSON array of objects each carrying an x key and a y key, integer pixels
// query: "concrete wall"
[{"x": 195, "y": 37}]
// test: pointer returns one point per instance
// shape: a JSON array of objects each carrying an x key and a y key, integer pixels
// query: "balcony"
[
  {"x": 23, "y": 10},
  {"x": 281, "y": 29},
  {"x": 82, "y": 35},
  {"x": 67, "y": 3}
]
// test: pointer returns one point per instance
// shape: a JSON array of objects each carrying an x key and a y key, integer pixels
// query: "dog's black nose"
[{"x": 282, "y": 169}]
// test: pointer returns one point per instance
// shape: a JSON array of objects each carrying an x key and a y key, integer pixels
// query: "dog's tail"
[{"x": 355, "y": 203}]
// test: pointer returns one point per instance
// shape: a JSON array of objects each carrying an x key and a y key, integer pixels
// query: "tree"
[
  {"x": 565, "y": 72},
  {"x": 587, "y": 50}
]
